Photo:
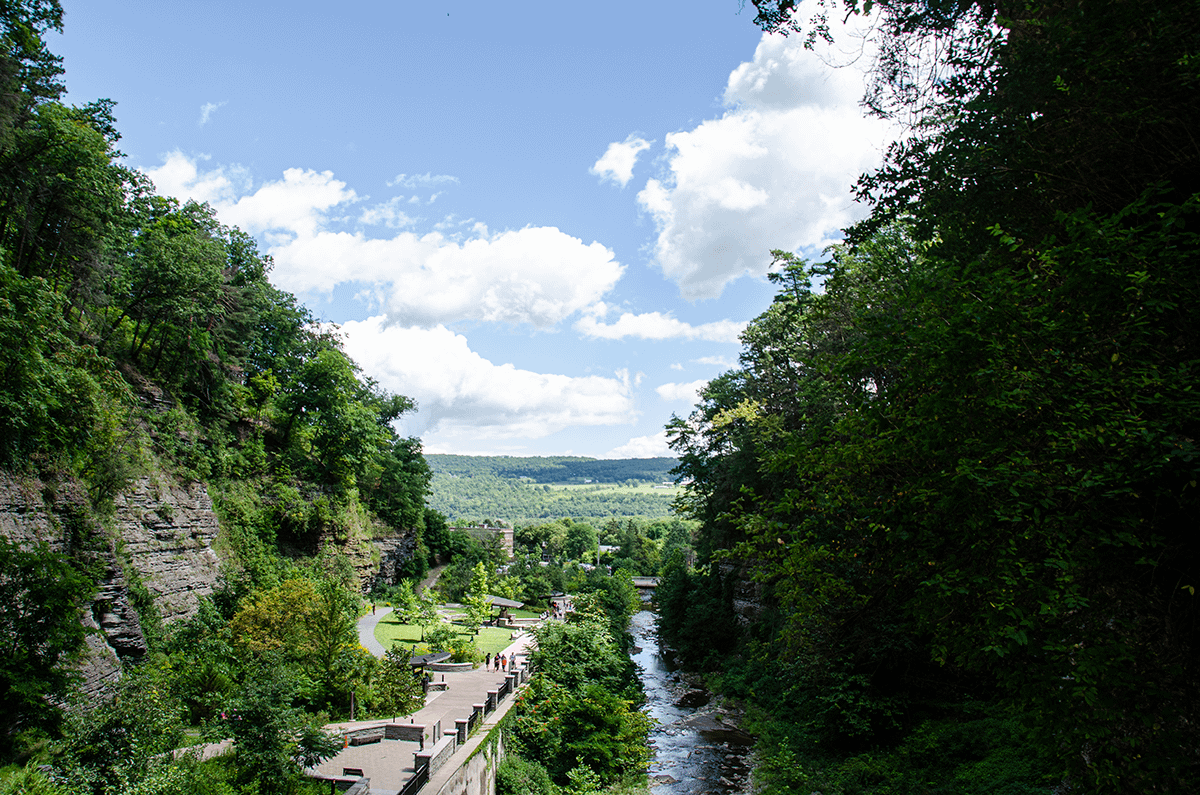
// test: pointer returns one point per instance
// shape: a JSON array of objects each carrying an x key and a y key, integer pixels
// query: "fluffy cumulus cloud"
[
  {"x": 617, "y": 162},
  {"x": 775, "y": 171},
  {"x": 653, "y": 446},
  {"x": 536, "y": 275},
  {"x": 655, "y": 326},
  {"x": 282, "y": 210},
  {"x": 689, "y": 392},
  {"x": 464, "y": 397}
]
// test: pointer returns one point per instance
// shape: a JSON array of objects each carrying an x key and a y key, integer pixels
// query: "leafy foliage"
[
  {"x": 397, "y": 690},
  {"x": 41, "y": 596},
  {"x": 964, "y": 468},
  {"x": 274, "y": 740},
  {"x": 579, "y": 711}
]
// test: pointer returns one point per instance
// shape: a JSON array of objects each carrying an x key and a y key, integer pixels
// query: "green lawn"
[{"x": 491, "y": 640}]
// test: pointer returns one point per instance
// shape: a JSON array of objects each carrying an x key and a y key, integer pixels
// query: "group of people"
[
  {"x": 559, "y": 608},
  {"x": 501, "y": 662}
]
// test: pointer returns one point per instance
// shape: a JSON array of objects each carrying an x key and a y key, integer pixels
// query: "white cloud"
[
  {"x": 677, "y": 366},
  {"x": 207, "y": 110},
  {"x": 295, "y": 206},
  {"x": 462, "y": 396},
  {"x": 654, "y": 446},
  {"x": 689, "y": 392},
  {"x": 413, "y": 181},
  {"x": 655, "y": 326},
  {"x": 536, "y": 275},
  {"x": 387, "y": 214},
  {"x": 719, "y": 361},
  {"x": 775, "y": 171},
  {"x": 618, "y": 160}
]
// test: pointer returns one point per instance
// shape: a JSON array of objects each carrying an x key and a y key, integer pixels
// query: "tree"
[
  {"x": 397, "y": 689},
  {"x": 41, "y": 596},
  {"x": 335, "y": 636},
  {"x": 967, "y": 463},
  {"x": 309, "y": 623},
  {"x": 576, "y": 653},
  {"x": 580, "y": 708},
  {"x": 427, "y": 614},
  {"x": 274, "y": 741},
  {"x": 479, "y": 605},
  {"x": 113, "y": 745},
  {"x": 404, "y": 602},
  {"x": 581, "y": 542}
]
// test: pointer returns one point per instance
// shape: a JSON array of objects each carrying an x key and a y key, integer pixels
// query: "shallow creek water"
[{"x": 696, "y": 750}]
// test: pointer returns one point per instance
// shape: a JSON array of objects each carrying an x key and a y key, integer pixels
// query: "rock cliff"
[
  {"x": 168, "y": 532},
  {"x": 161, "y": 535}
]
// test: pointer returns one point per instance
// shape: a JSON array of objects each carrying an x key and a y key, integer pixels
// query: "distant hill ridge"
[
  {"x": 555, "y": 469},
  {"x": 534, "y": 489}
]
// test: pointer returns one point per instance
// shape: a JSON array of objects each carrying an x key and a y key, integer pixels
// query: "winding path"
[{"x": 366, "y": 631}]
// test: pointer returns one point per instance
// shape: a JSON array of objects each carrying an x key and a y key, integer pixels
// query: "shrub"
[{"x": 517, "y": 776}]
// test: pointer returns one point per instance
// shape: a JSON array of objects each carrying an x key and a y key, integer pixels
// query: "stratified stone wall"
[
  {"x": 747, "y": 594},
  {"x": 168, "y": 531},
  {"x": 393, "y": 554},
  {"x": 165, "y": 534},
  {"x": 477, "y": 776}
]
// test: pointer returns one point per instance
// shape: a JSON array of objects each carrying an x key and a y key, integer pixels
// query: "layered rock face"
[
  {"x": 161, "y": 534},
  {"x": 164, "y": 533},
  {"x": 393, "y": 553},
  {"x": 748, "y": 604},
  {"x": 168, "y": 532}
]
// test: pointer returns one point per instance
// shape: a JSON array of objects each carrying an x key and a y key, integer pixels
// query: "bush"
[
  {"x": 517, "y": 776},
  {"x": 440, "y": 637},
  {"x": 464, "y": 650}
]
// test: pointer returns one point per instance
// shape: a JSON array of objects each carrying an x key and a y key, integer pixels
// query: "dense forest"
[
  {"x": 519, "y": 490},
  {"x": 960, "y": 471},
  {"x": 555, "y": 469}
]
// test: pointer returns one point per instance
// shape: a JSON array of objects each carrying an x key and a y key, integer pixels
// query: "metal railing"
[{"x": 420, "y": 778}]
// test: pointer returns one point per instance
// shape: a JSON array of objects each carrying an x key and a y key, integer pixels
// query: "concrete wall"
[{"x": 477, "y": 776}]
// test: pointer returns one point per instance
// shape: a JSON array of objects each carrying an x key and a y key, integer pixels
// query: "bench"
[{"x": 365, "y": 736}]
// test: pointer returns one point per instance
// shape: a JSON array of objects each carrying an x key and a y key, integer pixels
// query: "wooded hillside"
[
  {"x": 963, "y": 473},
  {"x": 520, "y": 490},
  {"x": 142, "y": 340}
]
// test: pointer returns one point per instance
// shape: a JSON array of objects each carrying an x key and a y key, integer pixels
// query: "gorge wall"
[
  {"x": 160, "y": 540},
  {"x": 157, "y": 542}
]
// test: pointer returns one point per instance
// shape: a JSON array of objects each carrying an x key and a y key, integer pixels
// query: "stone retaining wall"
[{"x": 438, "y": 755}]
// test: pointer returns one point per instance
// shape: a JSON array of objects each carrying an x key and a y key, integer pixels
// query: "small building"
[{"x": 504, "y": 619}]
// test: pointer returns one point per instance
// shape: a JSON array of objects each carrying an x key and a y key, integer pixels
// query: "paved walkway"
[
  {"x": 389, "y": 763},
  {"x": 366, "y": 631}
]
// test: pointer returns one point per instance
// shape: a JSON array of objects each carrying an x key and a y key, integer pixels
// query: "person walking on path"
[{"x": 487, "y": 661}]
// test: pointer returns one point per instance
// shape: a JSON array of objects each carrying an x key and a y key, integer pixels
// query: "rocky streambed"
[{"x": 698, "y": 747}]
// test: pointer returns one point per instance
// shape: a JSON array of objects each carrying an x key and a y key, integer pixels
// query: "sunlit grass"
[{"x": 389, "y": 630}]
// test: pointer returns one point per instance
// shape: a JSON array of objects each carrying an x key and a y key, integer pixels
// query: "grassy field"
[
  {"x": 644, "y": 488},
  {"x": 491, "y": 640}
]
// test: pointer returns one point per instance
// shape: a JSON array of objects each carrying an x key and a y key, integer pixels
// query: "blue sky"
[{"x": 546, "y": 222}]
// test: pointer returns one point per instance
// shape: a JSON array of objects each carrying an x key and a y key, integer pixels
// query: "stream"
[{"x": 697, "y": 749}]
